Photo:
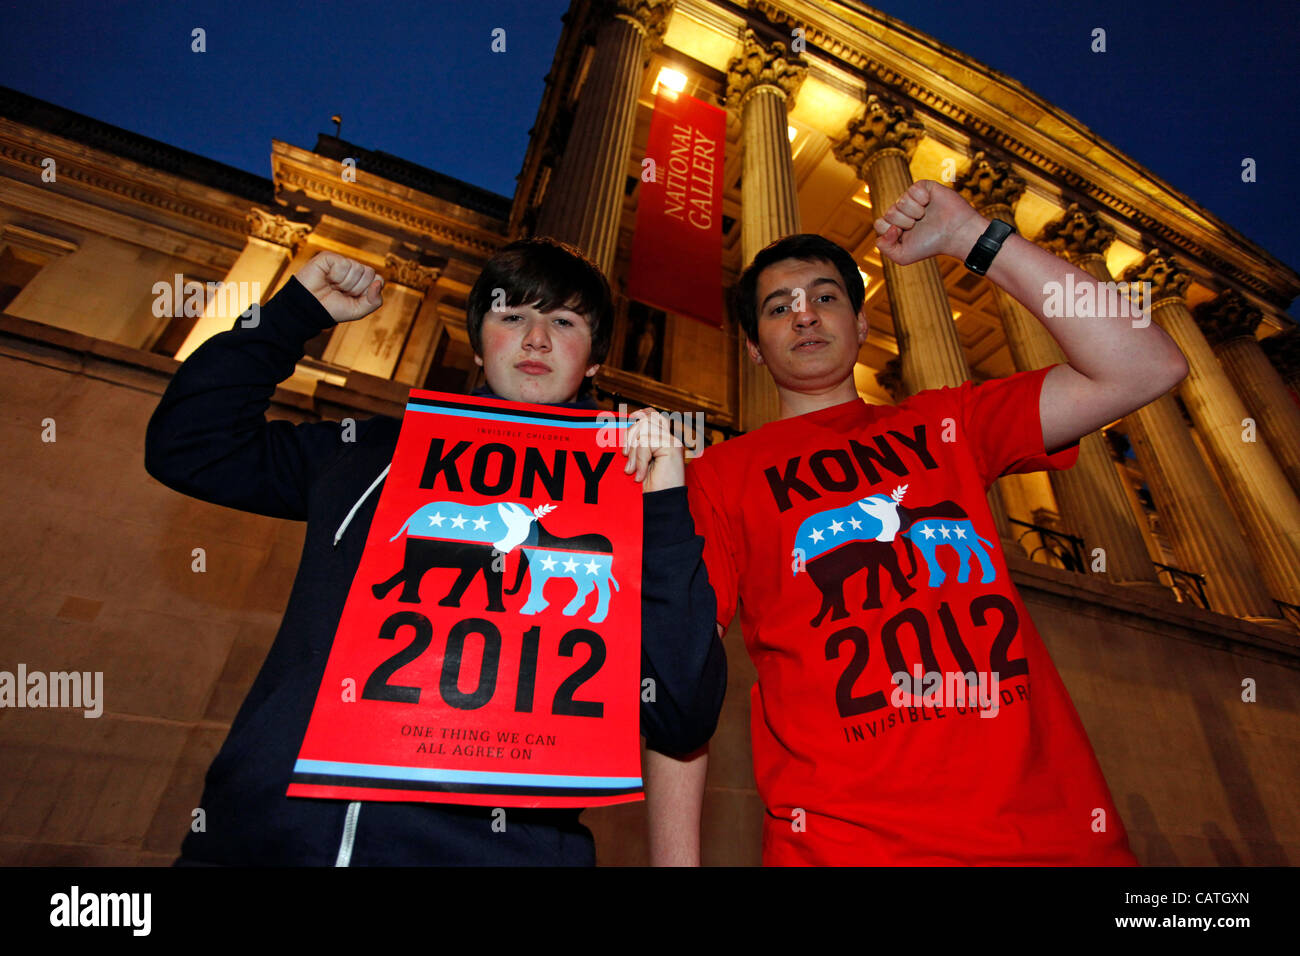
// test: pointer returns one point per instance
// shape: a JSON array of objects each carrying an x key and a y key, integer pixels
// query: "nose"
[
  {"x": 804, "y": 319},
  {"x": 537, "y": 336}
]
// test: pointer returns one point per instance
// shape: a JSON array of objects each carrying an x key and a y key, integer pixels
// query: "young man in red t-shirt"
[{"x": 911, "y": 715}]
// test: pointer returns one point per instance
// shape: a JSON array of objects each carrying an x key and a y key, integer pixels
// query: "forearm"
[
  {"x": 674, "y": 797},
  {"x": 1110, "y": 344}
]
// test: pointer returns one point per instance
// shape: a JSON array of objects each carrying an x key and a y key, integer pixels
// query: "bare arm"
[
  {"x": 674, "y": 798},
  {"x": 1115, "y": 364}
]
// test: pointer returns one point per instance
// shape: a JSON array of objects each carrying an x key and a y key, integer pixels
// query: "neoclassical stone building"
[{"x": 1163, "y": 570}]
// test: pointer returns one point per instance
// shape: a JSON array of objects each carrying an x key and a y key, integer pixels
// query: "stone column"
[
  {"x": 272, "y": 240},
  {"x": 1228, "y": 323},
  {"x": 761, "y": 86},
  {"x": 584, "y": 201},
  {"x": 878, "y": 145},
  {"x": 373, "y": 345},
  {"x": 1283, "y": 350},
  {"x": 1094, "y": 504},
  {"x": 1262, "y": 498}
]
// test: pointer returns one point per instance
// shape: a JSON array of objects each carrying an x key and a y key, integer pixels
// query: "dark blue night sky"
[{"x": 1188, "y": 89}]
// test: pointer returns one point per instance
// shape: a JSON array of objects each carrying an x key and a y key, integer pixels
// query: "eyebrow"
[{"x": 782, "y": 292}]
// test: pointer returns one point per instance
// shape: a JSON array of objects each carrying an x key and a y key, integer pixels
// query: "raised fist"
[
  {"x": 347, "y": 289},
  {"x": 929, "y": 218}
]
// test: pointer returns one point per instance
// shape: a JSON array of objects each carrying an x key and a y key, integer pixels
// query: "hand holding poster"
[{"x": 491, "y": 636}]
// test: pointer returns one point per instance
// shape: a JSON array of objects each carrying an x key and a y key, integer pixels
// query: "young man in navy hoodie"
[{"x": 209, "y": 439}]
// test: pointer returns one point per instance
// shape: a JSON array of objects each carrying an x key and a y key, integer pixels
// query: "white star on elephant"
[
  {"x": 436, "y": 519},
  {"x": 836, "y": 527},
  {"x": 943, "y": 530},
  {"x": 480, "y": 523},
  {"x": 928, "y": 531},
  {"x": 591, "y": 566},
  {"x": 816, "y": 536},
  {"x": 458, "y": 521},
  {"x": 549, "y": 563},
  {"x": 855, "y": 524},
  {"x": 570, "y": 565},
  {"x": 959, "y": 531}
]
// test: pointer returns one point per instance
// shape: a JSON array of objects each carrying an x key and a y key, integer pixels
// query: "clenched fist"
[
  {"x": 346, "y": 288},
  {"x": 929, "y": 218}
]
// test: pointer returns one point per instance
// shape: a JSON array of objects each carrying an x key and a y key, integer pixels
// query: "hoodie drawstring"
[{"x": 346, "y": 521}]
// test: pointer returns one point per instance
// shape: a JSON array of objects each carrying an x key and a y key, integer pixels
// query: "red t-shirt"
[{"x": 871, "y": 745}]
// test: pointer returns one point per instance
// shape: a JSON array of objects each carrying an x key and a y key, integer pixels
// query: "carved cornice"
[
  {"x": 883, "y": 125},
  {"x": 271, "y": 227},
  {"x": 342, "y": 195},
  {"x": 1150, "y": 219},
  {"x": 1226, "y": 317},
  {"x": 1076, "y": 233},
  {"x": 988, "y": 182},
  {"x": 660, "y": 394},
  {"x": 102, "y": 180},
  {"x": 890, "y": 378},
  {"x": 1283, "y": 350},
  {"x": 1168, "y": 280},
  {"x": 411, "y": 273},
  {"x": 763, "y": 65}
]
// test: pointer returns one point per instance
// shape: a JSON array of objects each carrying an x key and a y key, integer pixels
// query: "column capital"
[
  {"x": 1227, "y": 316},
  {"x": 1283, "y": 350},
  {"x": 1076, "y": 234},
  {"x": 763, "y": 66},
  {"x": 890, "y": 378},
  {"x": 882, "y": 126},
  {"x": 418, "y": 273},
  {"x": 988, "y": 182},
  {"x": 650, "y": 17},
  {"x": 275, "y": 228},
  {"x": 1168, "y": 280}
]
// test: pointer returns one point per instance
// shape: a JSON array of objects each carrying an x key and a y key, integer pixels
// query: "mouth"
[
  {"x": 532, "y": 368},
  {"x": 809, "y": 345}
]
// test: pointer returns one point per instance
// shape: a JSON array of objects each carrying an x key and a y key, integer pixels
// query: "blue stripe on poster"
[{"x": 460, "y": 776}]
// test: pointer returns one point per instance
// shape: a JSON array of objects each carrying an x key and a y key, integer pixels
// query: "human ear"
[
  {"x": 755, "y": 355},
  {"x": 478, "y": 360},
  {"x": 591, "y": 370}
]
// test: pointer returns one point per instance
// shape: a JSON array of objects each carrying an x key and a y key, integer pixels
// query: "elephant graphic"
[
  {"x": 474, "y": 539},
  {"x": 586, "y": 559},
  {"x": 931, "y": 534},
  {"x": 839, "y": 542}
]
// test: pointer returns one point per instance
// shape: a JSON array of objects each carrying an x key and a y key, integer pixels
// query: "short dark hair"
[
  {"x": 547, "y": 274},
  {"x": 806, "y": 247}
]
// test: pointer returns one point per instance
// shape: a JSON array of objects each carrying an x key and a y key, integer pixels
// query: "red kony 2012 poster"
[{"x": 489, "y": 651}]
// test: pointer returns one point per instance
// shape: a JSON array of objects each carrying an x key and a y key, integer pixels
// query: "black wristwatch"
[{"x": 987, "y": 246}]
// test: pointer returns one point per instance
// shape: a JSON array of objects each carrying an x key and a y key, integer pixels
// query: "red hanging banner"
[
  {"x": 676, "y": 261},
  {"x": 489, "y": 650}
]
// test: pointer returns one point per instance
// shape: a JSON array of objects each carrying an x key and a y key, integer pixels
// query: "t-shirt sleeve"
[
  {"x": 1001, "y": 420},
  {"x": 702, "y": 493}
]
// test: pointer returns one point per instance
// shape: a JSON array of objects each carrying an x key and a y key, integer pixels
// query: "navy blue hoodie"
[{"x": 209, "y": 439}]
